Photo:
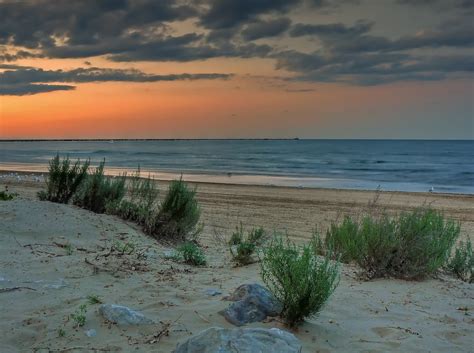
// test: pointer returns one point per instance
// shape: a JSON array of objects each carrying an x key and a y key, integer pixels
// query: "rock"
[
  {"x": 213, "y": 292},
  {"x": 90, "y": 333},
  {"x": 247, "y": 340},
  {"x": 122, "y": 315},
  {"x": 253, "y": 303},
  {"x": 169, "y": 254}
]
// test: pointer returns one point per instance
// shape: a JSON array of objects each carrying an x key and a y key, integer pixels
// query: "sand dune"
[{"x": 378, "y": 316}]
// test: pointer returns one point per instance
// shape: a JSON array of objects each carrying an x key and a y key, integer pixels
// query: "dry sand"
[{"x": 435, "y": 315}]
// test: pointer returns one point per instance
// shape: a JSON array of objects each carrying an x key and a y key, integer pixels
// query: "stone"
[
  {"x": 252, "y": 303},
  {"x": 213, "y": 292},
  {"x": 123, "y": 316},
  {"x": 246, "y": 340},
  {"x": 90, "y": 333}
]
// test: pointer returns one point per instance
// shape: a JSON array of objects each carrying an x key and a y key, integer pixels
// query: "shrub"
[
  {"x": 143, "y": 202},
  {"x": 7, "y": 196},
  {"x": 410, "y": 246},
  {"x": 63, "y": 179},
  {"x": 461, "y": 263},
  {"x": 299, "y": 279},
  {"x": 178, "y": 215},
  {"x": 99, "y": 190},
  {"x": 243, "y": 247},
  {"x": 191, "y": 254}
]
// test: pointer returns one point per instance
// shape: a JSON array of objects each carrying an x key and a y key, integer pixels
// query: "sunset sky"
[{"x": 237, "y": 69}]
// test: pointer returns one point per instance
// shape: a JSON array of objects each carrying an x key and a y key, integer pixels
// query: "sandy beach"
[{"x": 434, "y": 315}]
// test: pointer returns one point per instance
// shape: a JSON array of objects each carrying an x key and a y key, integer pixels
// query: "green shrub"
[
  {"x": 143, "y": 202},
  {"x": 191, "y": 254},
  {"x": 243, "y": 247},
  {"x": 410, "y": 246},
  {"x": 63, "y": 179},
  {"x": 6, "y": 196},
  {"x": 178, "y": 215},
  {"x": 461, "y": 263},
  {"x": 99, "y": 190},
  {"x": 299, "y": 279}
]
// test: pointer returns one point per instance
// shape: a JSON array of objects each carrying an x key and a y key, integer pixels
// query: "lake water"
[{"x": 404, "y": 165}]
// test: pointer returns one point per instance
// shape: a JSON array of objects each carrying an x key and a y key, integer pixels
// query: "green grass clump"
[
  {"x": 411, "y": 246},
  {"x": 242, "y": 247},
  {"x": 63, "y": 179},
  {"x": 461, "y": 264},
  {"x": 298, "y": 278},
  {"x": 191, "y": 254},
  {"x": 94, "y": 299},
  {"x": 178, "y": 215},
  {"x": 98, "y": 190},
  {"x": 79, "y": 316}
]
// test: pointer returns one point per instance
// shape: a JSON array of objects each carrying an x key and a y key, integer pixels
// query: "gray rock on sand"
[
  {"x": 252, "y": 303},
  {"x": 123, "y": 316},
  {"x": 246, "y": 340}
]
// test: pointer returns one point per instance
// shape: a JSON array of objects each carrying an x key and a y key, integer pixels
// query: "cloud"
[
  {"x": 29, "y": 89},
  {"x": 263, "y": 29},
  {"x": 333, "y": 29},
  {"x": 230, "y": 13},
  {"x": 21, "y": 80},
  {"x": 373, "y": 68}
]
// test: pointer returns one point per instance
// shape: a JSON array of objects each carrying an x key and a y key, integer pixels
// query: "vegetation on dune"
[
  {"x": 178, "y": 214},
  {"x": 298, "y": 278},
  {"x": 6, "y": 195},
  {"x": 410, "y": 246},
  {"x": 63, "y": 179},
  {"x": 191, "y": 254},
  {"x": 242, "y": 247},
  {"x": 98, "y": 190},
  {"x": 461, "y": 264},
  {"x": 141, "y": 205}
]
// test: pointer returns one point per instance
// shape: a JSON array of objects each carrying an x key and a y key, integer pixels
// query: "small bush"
[
  {"x": 178, "y": 215},
  {"x": 410, "y": 246},
  {"x": 299, "y": 279},
  {"x": 461, "y": 263},
  {"x": 191, "y": 254},
  {"x": 6, "y": 196},
  {"x": 63, "y": 179},
  {"x": 143, "y": 202},
  {"x": 243, "y": 247},
  {"x": 99, "y": 190}
]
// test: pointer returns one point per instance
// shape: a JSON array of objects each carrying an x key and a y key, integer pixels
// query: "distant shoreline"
[
  {"x": 234, "y": 180},
  {"x": 227, "y": 139}
]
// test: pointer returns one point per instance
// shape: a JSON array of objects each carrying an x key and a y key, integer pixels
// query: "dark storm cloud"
[{"x": 21, "y": 80}]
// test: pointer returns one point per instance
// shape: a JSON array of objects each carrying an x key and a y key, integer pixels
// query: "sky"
[{"x": 237, "y": 69}]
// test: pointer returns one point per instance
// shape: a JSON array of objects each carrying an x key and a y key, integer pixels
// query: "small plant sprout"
[
  {"x": 242, "y": 247},
  {"x": 79, "y": 316},
  {"x": 69, "y": 249},
  {"x": 94, "y": 299},
  {"x": 61, "y": 332},
  {"x": 191, "y": 254},
  {"x": 124, "y": 248}
]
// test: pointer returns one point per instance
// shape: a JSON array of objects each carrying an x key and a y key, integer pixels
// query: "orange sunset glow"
[{"x": 278, "y": 71}]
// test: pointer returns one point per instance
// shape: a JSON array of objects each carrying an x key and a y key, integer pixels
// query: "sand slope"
[{"x": 384, "y": 315}]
